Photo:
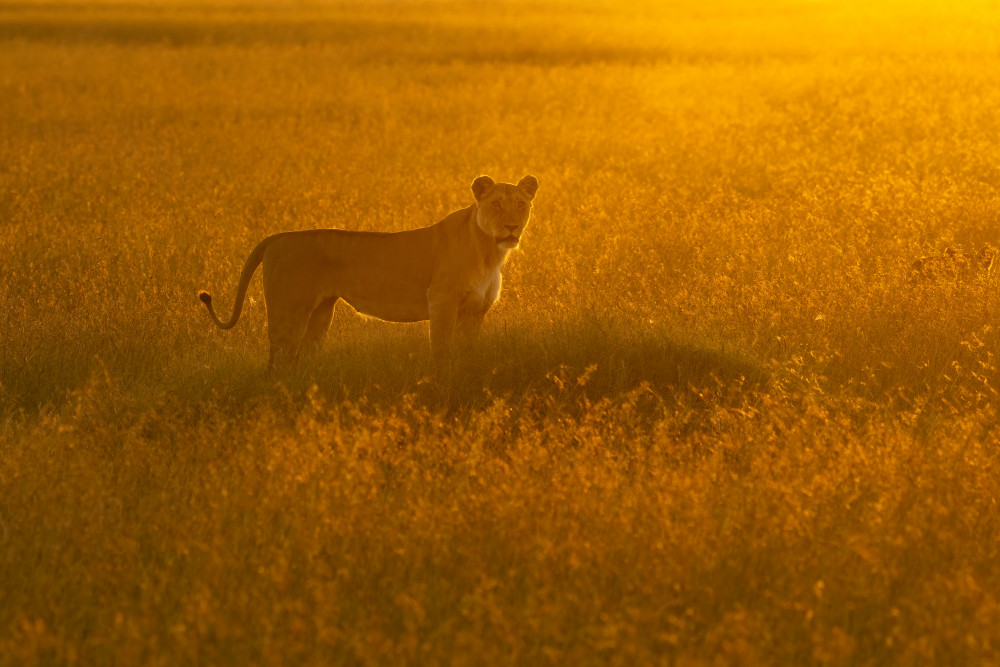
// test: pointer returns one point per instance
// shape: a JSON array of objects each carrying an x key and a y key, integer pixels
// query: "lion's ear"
[
  {"x": 529, "y": 185},
  {"x": 481, "y": 186}
]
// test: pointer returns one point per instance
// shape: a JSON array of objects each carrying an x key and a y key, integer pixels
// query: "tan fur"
[{"x": 448, "y": 273}]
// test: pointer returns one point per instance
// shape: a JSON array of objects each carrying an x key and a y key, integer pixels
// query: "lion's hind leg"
[
  {"x": 286, "y": 327},
  {"x": 319, "y": 324}
]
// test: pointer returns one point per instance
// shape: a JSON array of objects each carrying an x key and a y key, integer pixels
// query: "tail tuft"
[{"x": 205, "y": 297}]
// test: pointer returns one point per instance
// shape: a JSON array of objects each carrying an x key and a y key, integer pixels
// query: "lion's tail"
[{"x": 249, "y": 268}]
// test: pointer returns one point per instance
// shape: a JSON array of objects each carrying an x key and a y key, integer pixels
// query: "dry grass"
[{"x": 715, "y": 419}]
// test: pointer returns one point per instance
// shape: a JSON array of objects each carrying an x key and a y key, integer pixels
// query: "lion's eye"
[
  {"x": 496, "y": 204},
  {"x": 520, "y": 204}
]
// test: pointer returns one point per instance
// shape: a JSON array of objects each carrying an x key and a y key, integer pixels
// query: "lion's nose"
[{"x": 512, "y": 228}]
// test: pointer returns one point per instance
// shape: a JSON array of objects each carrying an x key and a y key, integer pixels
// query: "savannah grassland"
[{"x": 713, "y": 420}]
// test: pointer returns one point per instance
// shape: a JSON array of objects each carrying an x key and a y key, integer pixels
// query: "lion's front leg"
[
  {"x": 444, "y": 316},
  {"x": 469, "y": 325}
]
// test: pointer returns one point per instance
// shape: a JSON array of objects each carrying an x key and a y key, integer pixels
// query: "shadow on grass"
[
  {"x": 378, "y": 39},
  {"x": 40, "y": 371},
  {"x": 573, "y": 364},
  {"x": 570, "y": 364}
]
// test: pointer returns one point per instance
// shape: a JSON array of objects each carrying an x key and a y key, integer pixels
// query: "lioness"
[{"x": 448, "y": 273}]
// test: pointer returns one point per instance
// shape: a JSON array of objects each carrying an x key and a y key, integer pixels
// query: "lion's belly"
[{"x": 391, "y": 311}]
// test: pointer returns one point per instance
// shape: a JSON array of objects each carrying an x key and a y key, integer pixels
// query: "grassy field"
[{"x": 715, "y": 418}]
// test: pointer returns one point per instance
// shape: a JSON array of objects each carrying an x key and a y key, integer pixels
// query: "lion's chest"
[{"x": 481, "y": 291}]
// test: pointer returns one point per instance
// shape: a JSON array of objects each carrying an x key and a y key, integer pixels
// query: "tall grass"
[{"x": 714, "y": 416}]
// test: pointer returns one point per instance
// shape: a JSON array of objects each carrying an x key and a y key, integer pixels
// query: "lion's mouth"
[{"x": 508, "y": 239}]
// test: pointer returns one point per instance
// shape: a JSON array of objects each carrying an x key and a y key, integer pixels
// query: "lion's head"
[{"x": 503, "y": 208}]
